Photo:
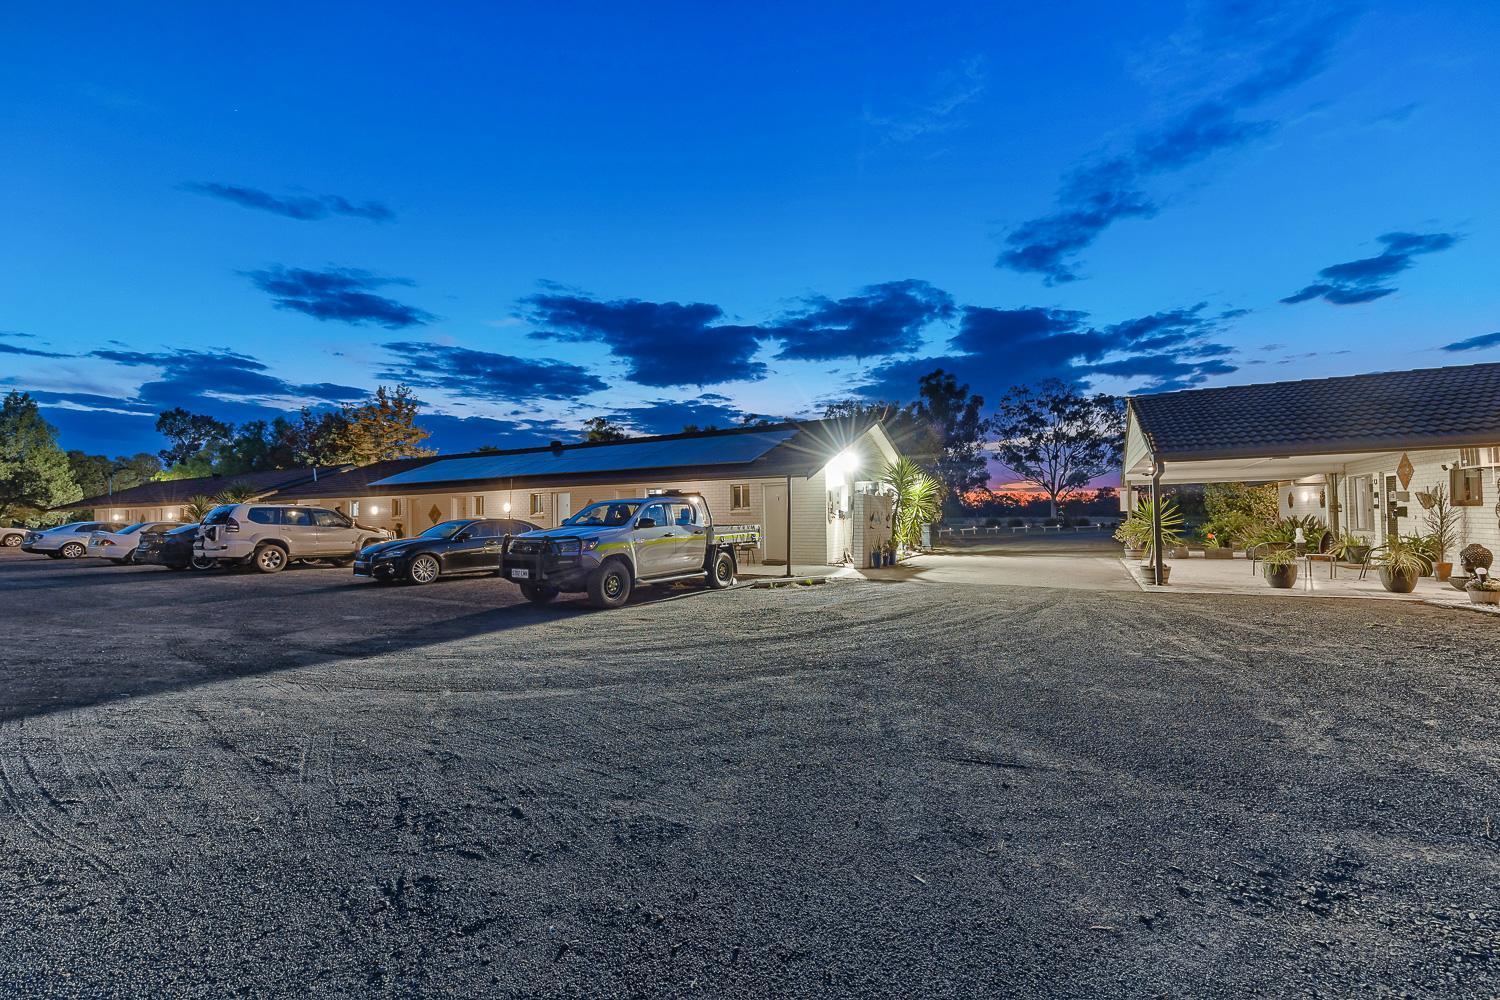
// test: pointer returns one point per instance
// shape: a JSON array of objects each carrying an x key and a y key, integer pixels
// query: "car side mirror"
[{"x": 646, "y": 522}]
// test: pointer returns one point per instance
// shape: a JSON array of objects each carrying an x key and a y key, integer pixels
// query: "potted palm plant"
[
  {"x": 1401, "y": 561},
  {"x": 1279, "y": 567},
  {"x": 1442, "y": 525}
]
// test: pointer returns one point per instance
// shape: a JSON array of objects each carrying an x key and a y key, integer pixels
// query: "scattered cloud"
[
  {"x": 482, "y": 375},
  {"x": 453, "y": 434},
  {"x": 662, "y": 343},
  {"x": 1110, "y": 189},
  {"x": 880, "y": 321},
  {"x": 1365, "y": 280},
  {"x": 198, "y": 378},
  {"x": 994, "y": 349},
  {"x": 338, "y": 293},
  {"x": 30, "y": 352},
  {"x": 1474, "y": 343},
  {"x": 303, "y": 207},
  {"x": 670, "y": 416},
  {"x": 941, "y": 111}
]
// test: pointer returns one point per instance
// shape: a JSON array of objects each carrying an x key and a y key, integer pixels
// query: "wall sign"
[{"x": 1404, "y": 470}]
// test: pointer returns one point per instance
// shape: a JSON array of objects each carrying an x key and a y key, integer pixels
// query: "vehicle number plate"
[{"x": 520, "y": 574}]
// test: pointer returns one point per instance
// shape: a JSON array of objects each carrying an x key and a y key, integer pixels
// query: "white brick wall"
[{"x": 1476, "y": 524}]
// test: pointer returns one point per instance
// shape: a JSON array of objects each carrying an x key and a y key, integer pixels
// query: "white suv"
[{"x": 272, "y": 536}]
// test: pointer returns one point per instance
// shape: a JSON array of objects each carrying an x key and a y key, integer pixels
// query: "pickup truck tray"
[{"x": 737, "y": 534}]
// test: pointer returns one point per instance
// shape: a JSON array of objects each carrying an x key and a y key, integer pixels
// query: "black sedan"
[
  {"x": 471, "y": 545},
  {"x": 172, "y": 549}
]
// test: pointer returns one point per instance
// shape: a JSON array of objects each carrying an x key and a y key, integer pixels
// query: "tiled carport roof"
[
  {"x": 180, "y": 491},
  {"x": 1428, "y": 407}
]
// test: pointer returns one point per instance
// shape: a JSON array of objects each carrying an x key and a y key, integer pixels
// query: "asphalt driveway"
[{"x": 297, "y": 785}]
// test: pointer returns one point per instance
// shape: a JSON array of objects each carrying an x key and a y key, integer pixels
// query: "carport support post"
[
  {"x": 1157, "y": 569},
  {"x": 788, "y": 526}
]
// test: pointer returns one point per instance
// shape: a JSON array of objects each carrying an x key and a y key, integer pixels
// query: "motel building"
[
  {"x": 1362, "y": 453},
  {"x": 167, "y": 499},
  {"x": 812, "y": 486}
]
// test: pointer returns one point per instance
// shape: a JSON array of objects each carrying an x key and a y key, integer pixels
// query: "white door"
[
  {"x": 774, "y": 528},
  {"x": 562, "y": 505}
]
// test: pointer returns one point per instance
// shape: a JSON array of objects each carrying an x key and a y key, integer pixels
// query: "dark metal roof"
[
  {"x": 1457, "y": 406},
  {"x": 179, "y": 491},
  {"x": 797, "y": 448},
  {"x": 355, "y": 482}
]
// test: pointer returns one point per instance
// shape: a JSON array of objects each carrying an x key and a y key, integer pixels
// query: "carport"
[{"x": 1310, "y": 431}]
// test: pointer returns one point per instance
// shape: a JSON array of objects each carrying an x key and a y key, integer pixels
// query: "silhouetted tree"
[
  {"x": 602, "y": 429},
  {"x": 1057, "y": 438}
]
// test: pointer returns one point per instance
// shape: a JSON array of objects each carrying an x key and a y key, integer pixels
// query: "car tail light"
[{"x": 231, "y": 525}]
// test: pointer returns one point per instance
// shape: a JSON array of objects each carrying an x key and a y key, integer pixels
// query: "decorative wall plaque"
[{"x": 1404, "y": 470}]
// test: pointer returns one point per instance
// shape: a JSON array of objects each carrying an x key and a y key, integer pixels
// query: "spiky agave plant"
[
  {"x": 918, "y": 500},
  {"x": 237, "y": 493},
  {"x": 198, "y": 506}
]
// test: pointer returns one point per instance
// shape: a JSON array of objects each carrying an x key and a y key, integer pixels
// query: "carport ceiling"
[{"x": 1250, "y": 470}]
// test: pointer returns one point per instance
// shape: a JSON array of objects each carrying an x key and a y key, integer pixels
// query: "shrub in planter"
[
  {"x": 1483, "y": 591},
  {"x": 1401, "y": 561},
  {"x": 1279, "y": 568},
  {"x": 1217, "y": 545},
  {"x": 1015, "y": 522},
  {"x": 1349, "y": 548}
]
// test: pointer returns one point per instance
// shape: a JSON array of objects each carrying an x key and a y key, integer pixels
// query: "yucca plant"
[
  {"x": 919, "y": 501},
  {"x": 1136, "y": 530},
  {"x": 237, "y": 493},
  {"x": 198, "y": 506}
]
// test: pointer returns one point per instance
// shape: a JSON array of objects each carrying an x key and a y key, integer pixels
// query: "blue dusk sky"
[{"x": 684, "y": 213}]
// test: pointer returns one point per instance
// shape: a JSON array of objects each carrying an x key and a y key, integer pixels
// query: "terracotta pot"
[
  {"x": 1398, "y": 583},
  {"x": 1149, "y": 576},
  {"x": 1442, "y": 571},
  {"x": 1280, "y": 577},
  {"x": 1218, "y": 552},
  {"x": 1484, "y": 596}
]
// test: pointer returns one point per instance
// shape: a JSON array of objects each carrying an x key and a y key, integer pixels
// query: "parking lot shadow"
[{"x": 96, "y": 635}]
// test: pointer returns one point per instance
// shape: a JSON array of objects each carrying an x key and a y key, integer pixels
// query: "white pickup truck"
[{"x": 611, "y": 547}]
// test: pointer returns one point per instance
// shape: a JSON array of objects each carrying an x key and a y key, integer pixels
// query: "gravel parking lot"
[{"x": 229, "y": 784}]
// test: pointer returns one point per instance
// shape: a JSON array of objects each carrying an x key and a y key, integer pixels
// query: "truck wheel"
[
  {"x": 73, "y": 550},
  {"x": 423, "y": 569},
  {"x": 538, "y": 594},
  {"x": 270, "y": 559},
  {"x": 609, "y": 585},
  {"x": 722, "y": 573}
]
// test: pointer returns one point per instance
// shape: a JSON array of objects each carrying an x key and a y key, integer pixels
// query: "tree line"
[{"x": 1053, "y": 436}]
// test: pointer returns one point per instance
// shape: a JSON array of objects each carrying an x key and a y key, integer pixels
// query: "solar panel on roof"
[{"x": 731, "y": 449}]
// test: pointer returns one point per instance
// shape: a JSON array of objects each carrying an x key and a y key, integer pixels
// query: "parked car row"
[
  {"x": 605, "y": 550},
  {"x": 271, "y": 537}
]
